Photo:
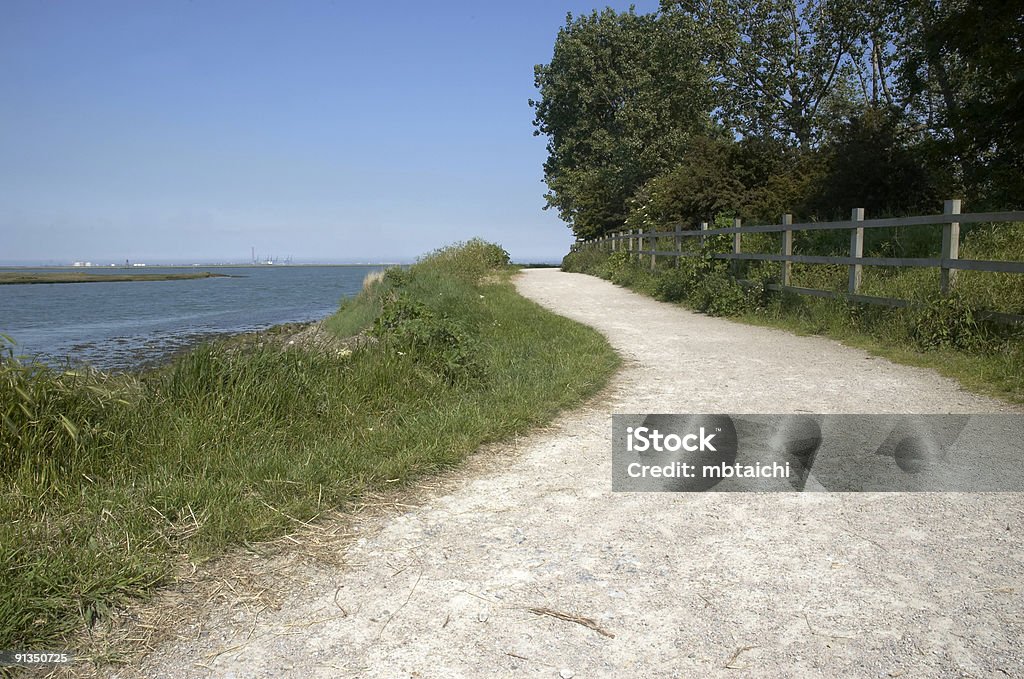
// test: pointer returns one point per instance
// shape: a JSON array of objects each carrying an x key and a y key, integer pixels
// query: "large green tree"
[
  {"x": 620, "y": 98},
  {"x": 781, "y": 67}
]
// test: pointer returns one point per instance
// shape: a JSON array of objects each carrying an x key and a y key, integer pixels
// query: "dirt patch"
[{"x": 311, "y": 336}]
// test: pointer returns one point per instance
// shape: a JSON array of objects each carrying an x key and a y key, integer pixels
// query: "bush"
[
  {"x": 587, "y": 260},
  {"x": 675, "y": 284},
  {"x": 436, "y": 340},
  {"x": 469, "y": 261},
  {"x": 719, "y": 295},
  {"x": 948, "y": 322},
  {"x": 619, "y": 268}
]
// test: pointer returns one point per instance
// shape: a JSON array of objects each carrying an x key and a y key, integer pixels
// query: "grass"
[
  {"x": 14, "y": 278},
  {"x": 108, "y": 480},
  {"x": 949, "y": 334},
  {"x": 994, "y": 366}
]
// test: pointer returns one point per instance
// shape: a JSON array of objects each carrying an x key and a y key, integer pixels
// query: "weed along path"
[{"x": 528, "y": 565}]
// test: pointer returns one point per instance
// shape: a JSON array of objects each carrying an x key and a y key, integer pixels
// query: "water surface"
[{"x": 122, "y": 325}]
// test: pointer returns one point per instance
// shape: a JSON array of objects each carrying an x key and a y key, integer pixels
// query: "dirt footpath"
[{"x": 533, "y": 567}]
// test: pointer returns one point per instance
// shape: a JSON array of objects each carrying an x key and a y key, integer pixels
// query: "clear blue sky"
[{"x": 330, "y": 131}]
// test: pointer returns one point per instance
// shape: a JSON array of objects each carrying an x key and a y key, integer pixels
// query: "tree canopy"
[
  {"x": 619, "y": 100},
  {"x": 712, "y": 108}
]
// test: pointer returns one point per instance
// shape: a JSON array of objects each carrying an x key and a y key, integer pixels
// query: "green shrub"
[
  {"x": 586, "y": 260},
  {"x": 719, "y": 295},
  {"x": 674, "y": 285},
  {"x": 948, "y": 322},
  {"x": 436, "y": 340},
  {"x": 469, "y": 261},
  {"x": 618, "y": 267}
]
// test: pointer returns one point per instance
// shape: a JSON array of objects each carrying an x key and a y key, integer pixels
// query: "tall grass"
[
  {"x": 948, "y": 333},
  {"x": 108, "y": 479}
]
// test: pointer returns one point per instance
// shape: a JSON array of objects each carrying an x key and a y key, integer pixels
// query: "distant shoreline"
[
  {"x": 62, "y": 267},
  {"x": 82, "y": 277}
]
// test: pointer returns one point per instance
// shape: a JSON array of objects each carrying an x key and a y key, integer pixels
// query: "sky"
[{"x": 329, "y": 131}]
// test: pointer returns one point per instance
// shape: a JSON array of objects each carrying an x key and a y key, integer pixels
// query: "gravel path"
[{"x": 655, "y": 584}]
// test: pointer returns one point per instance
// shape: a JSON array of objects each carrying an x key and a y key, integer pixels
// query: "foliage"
[
  {"x": 720, "y": 178},
  {"x": 440, "y": 341},
  {"x": 778, "y": 63},
  {"x": 620, "y": 97},
  {"x": 583, "y": 260},
  {"x": 962, "y": 76},
  {"x": 620, "y": 268},
  {"x": 874, "y": 163},
  {"x": 469, "y": 261},
  {"x": 713, "y": 108},
  {"x": 947, "y": 322}
]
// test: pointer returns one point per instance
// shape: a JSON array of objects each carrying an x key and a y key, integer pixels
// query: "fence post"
[
  {"x": 856, "y": 250},
  {"x": 679, "y": 243},
  {"x": 629, "y": 244},
  {"x": 737, "y": 223},
  {"x": 703, "y": 227},
  {"x": 787, "y": 249},
  {"x": 654, "y": 246},
  {"x": 950, "y": 246}
]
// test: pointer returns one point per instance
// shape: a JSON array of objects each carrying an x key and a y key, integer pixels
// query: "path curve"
[{"x": 737, "y": 585}]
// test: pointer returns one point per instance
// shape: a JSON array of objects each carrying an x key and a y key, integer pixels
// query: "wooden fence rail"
[{"x": 948, "y": 262}]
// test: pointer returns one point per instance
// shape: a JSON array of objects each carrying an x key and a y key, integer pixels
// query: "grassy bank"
[
  {"x": 18, "y": 278},
  {"x": 948, "y": 334},
  {"x": 107, "y": 480}
]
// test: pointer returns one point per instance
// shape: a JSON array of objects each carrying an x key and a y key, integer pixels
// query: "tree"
[
  {"x": 703, "y": 186},
  {"x": 720, "y": 177},
  {"x": 963, "y": 75},
  {"x": 778, "y": 63},
  {"x": 877, "y": 162},
  {"x": 620, "y": 98}
]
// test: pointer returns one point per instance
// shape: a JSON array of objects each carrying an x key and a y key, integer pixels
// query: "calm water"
[{"x": 121, "y": 325}]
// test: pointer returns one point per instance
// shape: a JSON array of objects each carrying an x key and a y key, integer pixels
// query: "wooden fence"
[{"x": 948, "y": 263}]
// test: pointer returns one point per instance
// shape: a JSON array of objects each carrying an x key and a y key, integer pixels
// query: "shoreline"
[
  {"x": 192, "y": 267},
  {"x": 145, "y": 359},
  {"x": 77, "y": 277}
]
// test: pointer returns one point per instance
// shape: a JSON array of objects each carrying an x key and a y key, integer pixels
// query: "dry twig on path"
[{"x": 579, "y": 620}]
